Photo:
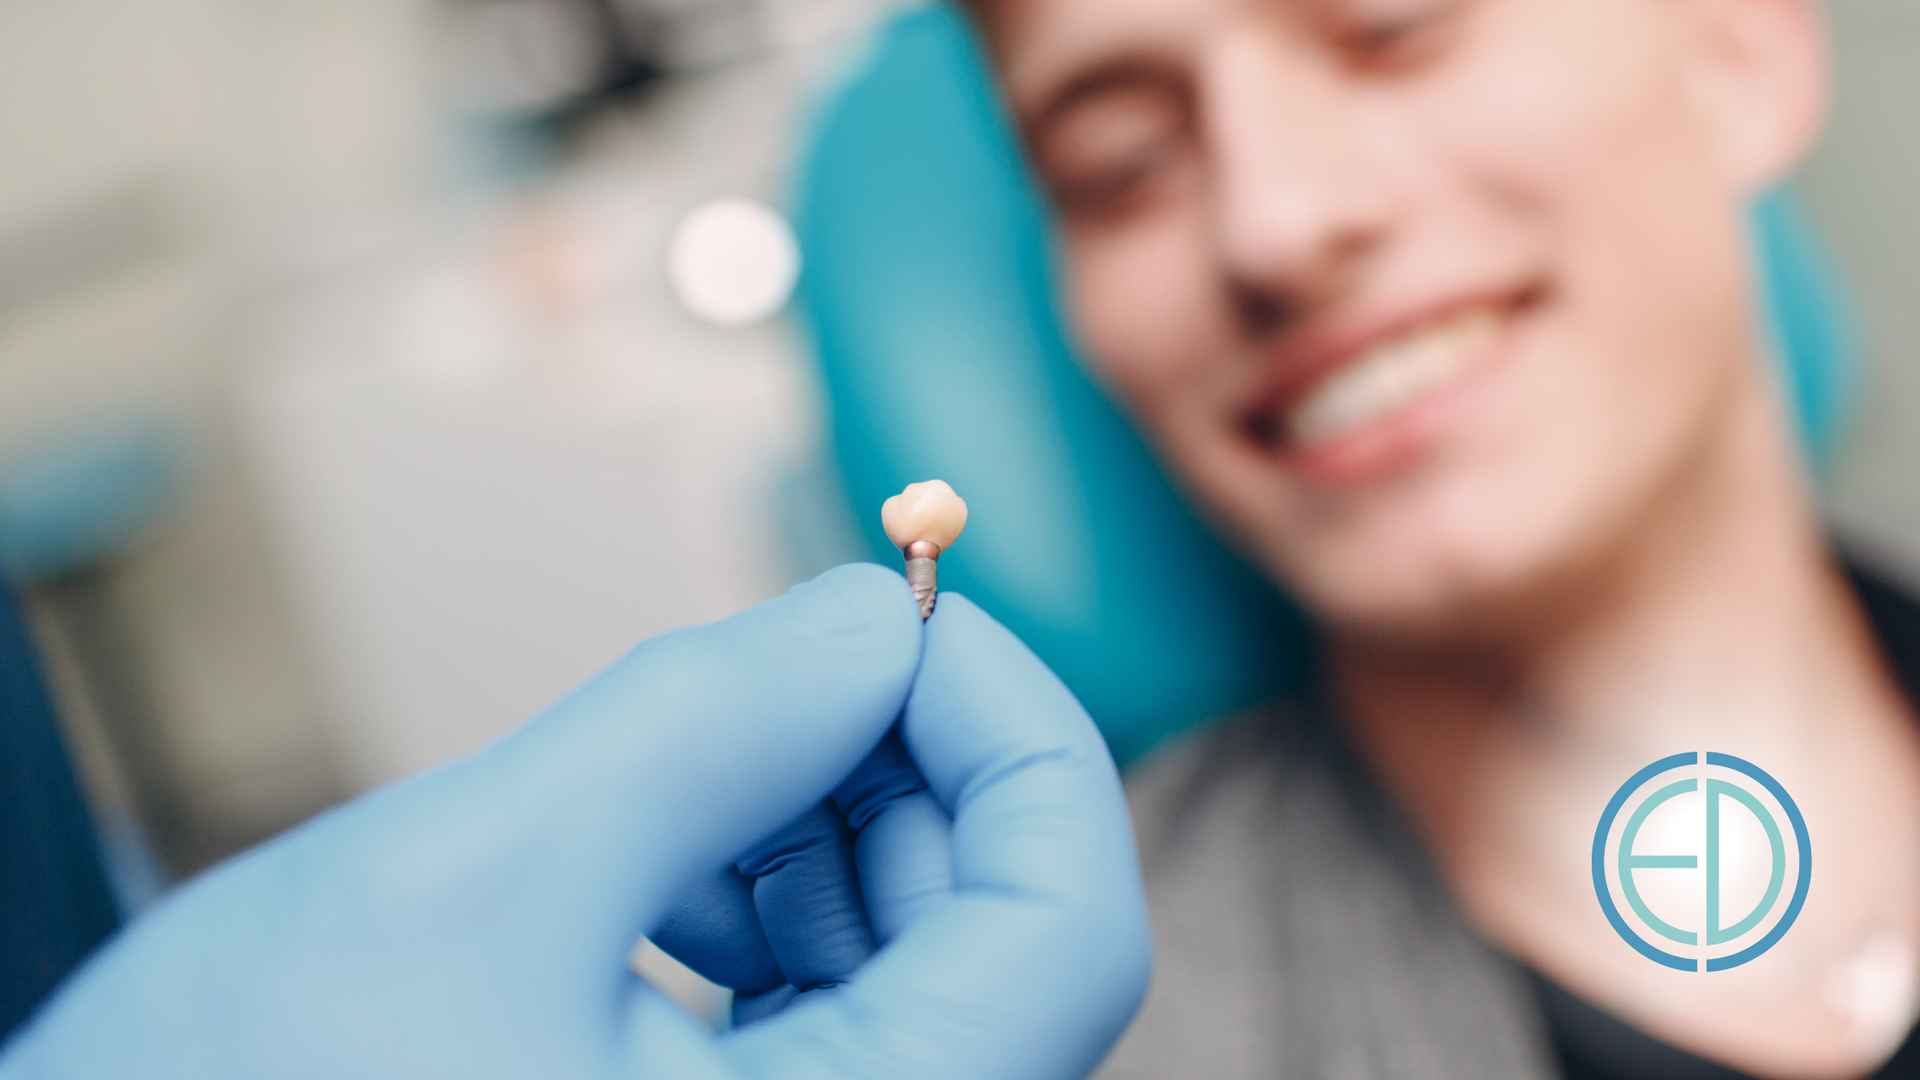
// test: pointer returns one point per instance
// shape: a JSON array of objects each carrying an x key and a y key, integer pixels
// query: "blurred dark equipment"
[
  {"x": 55, "y": 903},
  {"x": 71, "y": 509},
  {"x": 559, "y": 63}
]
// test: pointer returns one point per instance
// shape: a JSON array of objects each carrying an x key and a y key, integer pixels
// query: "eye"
[
  {"x": 1113, "y": 150},
  {"x": 1393, "y": 35}
]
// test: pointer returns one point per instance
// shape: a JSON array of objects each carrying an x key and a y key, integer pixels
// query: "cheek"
[
  {"x": 1548, "y": 87},
  {"x": 1609, "y": 164},
  {"x": 1143, "y": 304},
  {"x": 1588, "y": 160}
]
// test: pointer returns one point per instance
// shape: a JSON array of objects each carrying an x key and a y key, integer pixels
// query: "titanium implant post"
[{"x": 923, "y": 573}]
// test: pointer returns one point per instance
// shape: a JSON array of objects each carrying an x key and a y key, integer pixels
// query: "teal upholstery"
[
  {"x": 931, "y": 302},
  {"x": 1809, "y": 326}
]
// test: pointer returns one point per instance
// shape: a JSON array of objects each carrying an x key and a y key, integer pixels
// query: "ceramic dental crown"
[{"x": 923, "y": 521}]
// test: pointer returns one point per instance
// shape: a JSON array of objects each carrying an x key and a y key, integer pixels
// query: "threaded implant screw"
[{"x": 923, "y": 573}]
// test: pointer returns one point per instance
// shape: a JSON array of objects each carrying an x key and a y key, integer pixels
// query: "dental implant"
[{"x": 923, "y": 521}]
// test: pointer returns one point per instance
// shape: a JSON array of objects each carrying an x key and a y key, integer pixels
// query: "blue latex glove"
[{"x": 717, "y": 788}]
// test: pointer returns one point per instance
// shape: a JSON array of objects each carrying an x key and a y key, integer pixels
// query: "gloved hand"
[{"x": 476, "y": 921}]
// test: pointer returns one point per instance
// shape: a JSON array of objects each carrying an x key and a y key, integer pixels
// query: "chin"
[
  {"x": 1434, "y": 571},
  {"x": 1418, "y": 598}
]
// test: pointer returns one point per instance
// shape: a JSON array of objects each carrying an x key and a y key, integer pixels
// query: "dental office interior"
[{"x": 374, "y": 371}]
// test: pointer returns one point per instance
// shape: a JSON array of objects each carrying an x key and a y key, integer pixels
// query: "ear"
[{"x": 1759, "y": 76}]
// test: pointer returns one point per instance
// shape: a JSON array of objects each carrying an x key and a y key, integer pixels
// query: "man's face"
[{"x": 1427, "y": 301}]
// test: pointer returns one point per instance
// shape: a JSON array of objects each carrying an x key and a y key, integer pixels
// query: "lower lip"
[{"x": 1399, "y": 439}]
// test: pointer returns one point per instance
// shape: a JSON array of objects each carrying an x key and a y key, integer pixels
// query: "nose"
[{"x": 1303, "y": 192}]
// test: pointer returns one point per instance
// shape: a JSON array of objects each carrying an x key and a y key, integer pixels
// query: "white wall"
[
  {"x": 1863, "y": 187},
  {"x": 293, "y": 179},
  {"x": 231, "y": 140}
]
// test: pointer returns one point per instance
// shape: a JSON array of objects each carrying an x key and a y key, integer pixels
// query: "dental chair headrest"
[{"x": 930, "y": 296}]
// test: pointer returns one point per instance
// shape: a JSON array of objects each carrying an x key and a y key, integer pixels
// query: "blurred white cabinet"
[{"x": 500, "y": 463}]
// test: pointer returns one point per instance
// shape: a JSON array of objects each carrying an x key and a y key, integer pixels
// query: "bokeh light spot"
[{"x": 733, "y": 261}]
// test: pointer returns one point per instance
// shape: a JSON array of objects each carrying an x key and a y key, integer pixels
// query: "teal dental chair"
[{"x": 930, "y": 298}]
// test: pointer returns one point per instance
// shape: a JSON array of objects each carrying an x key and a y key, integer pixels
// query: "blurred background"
[
  {"x": 349, "y": 333},
  {"x": 371, "y": 371}
]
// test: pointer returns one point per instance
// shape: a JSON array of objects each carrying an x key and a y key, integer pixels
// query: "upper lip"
[{"x": 1301, "y": 360}]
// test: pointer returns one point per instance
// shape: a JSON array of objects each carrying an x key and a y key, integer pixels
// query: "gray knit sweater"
[{"x": 1299, "y": 931}]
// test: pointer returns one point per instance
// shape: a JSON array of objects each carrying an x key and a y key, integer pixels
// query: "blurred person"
[{"x": 1442, "y": 310}]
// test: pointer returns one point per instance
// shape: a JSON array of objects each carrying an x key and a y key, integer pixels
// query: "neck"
[{"x": 1720, "y": 623}]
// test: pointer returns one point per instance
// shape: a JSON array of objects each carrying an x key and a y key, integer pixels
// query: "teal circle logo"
[{"x": 1732, "y": 813}]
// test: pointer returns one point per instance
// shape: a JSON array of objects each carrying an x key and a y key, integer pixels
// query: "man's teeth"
[{"x": 1391, "y": 376}]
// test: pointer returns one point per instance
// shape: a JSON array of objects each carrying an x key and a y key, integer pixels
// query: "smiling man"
[{"x": 1441, "y": 310}]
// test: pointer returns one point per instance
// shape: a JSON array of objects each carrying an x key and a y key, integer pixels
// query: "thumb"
[{"x": 1038, "y": 959}]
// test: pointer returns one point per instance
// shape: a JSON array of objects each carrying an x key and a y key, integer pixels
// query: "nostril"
[
  {"x": 1265, "y": 430},
  {"x": 1261, "y": 312}
]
